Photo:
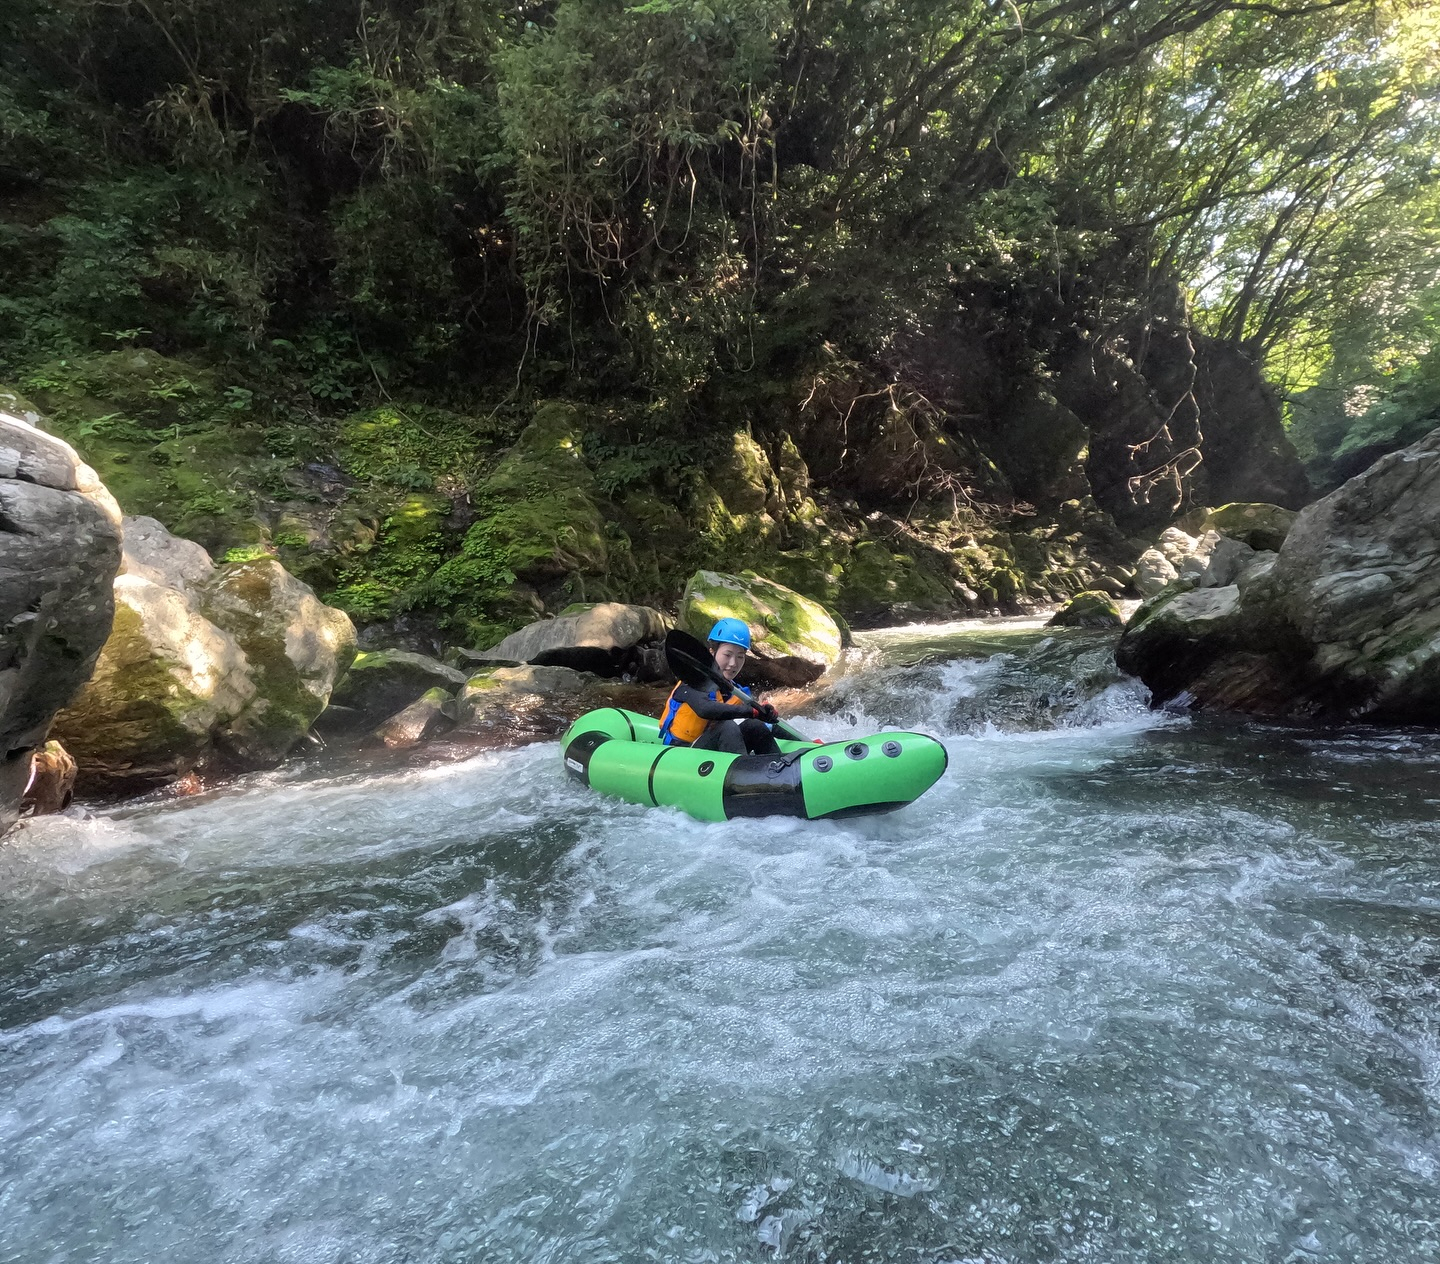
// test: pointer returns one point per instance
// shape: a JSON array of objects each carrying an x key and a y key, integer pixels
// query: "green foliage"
[
  {"x": 417, "y": 448},
  {"x": 1340, "y": 429},
  {"x": 233, "y": 236},
  {"x": 246, "y": 553},
  {"x": 665, "y": 193},
  {"x": 391, "y": 576}
]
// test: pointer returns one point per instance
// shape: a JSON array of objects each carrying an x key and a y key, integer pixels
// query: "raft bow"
[{"x": 620, "y": 753}]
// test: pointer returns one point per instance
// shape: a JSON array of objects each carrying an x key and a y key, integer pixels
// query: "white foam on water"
[{"x": 1066, "y": 1006}]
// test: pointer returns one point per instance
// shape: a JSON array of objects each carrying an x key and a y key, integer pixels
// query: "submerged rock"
[
  {"x": 636, "y": 662},
  {"x": 786, "y": 672},
  {"x": 59, "y": 552},
  {"x": 782, "y": 622},
  {"x": 523, "y": 703},
  {"x": 232, "y": 662},
  {"x": 1036, "y": 681},
  {"x": 1343, "y": 623},
  {"x": 1087, "y": 610}
]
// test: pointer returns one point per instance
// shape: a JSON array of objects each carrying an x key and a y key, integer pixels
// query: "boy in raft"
[{"x": 737, "y": 725}]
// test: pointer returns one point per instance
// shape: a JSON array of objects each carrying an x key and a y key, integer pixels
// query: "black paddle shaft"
[{"x": 692, "y": 662}]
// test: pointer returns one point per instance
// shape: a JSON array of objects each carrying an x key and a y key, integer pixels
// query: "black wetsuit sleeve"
[{"x": 708, "y": 708}]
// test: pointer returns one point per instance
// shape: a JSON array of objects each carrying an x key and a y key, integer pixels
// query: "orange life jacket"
[{"x": 680, "y": 723}]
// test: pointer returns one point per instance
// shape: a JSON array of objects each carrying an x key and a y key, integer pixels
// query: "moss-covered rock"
[
  {"x": 18, "y": 406},
  {"x": 165, "y": 438},
  {"x": 202, "y": 662},
  {"x": 743, "y": 477},
  {"x": 781, "y": 621},
  {"x": 879, "y": 580},
  {"x": 1090, "y": 609},
  {"x": 423, "y": 525},
  {"x": 1261, "y": 526},
  {"x": 166, "y": 682},
  {"x": 297, "y": 648},
  {"x": 541, "y": 505},
  {"x": 431, "y": 713},
  {"x": 540, "y": 527},
  {"x": 388, "y": 568},
  {"x": 382, "y": 682}
]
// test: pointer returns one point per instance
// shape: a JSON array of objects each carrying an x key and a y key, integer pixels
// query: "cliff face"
[
  {"x": 1150, "y": 419},
  {"x": 1191, "y": 422},
  {"x": 59, "y": 552},
  {"x": 1029, "y": 398}
]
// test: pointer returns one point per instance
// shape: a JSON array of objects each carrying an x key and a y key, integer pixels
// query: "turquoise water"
[{"x": 1123, "y": 987}]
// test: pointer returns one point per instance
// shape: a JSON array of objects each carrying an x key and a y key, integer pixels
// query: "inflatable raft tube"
[{"x": 619, "y": 752}]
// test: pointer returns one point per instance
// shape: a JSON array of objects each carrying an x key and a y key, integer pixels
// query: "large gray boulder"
[
  {"x": 204, "y": 664},
  {"x": 794, "y": 639},
  {"x": 167, "y": 681},
  {"x": 1227, "y": 560},
  {"x": 152, "y": 553},
  {"x": 1263, "y": 527},
  {"x": 1153, "y": 571},
  {"x": 296, "y": 646},
  {"x": 606, "y": 625},
  {"x": 1344, "y": 622},
  {"x": 59, "y": 551}
]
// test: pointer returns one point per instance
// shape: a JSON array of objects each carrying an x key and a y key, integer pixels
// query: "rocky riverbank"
[
  {"x": 208, "y": 668},
  {"x": 1341, "y": 623},
  {"x": 434, "y": 528}
]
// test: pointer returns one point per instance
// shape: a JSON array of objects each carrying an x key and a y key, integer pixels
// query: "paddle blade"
[{"x": 692, "y": 662}]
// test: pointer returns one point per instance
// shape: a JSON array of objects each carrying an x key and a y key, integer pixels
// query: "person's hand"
[{"x": 767, "y": 713}]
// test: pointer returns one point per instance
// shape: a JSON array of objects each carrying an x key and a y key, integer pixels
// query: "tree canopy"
[{"x": 464, "y": 196}]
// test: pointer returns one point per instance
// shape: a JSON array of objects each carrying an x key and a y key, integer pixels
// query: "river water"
[{"x": 1123, "y": 987}]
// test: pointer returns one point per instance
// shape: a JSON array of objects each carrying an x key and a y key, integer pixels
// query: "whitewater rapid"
[{"x": 1123, "y": 987}]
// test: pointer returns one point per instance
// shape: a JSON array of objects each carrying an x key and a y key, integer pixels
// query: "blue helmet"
[{"x": 730, "y": 632}]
